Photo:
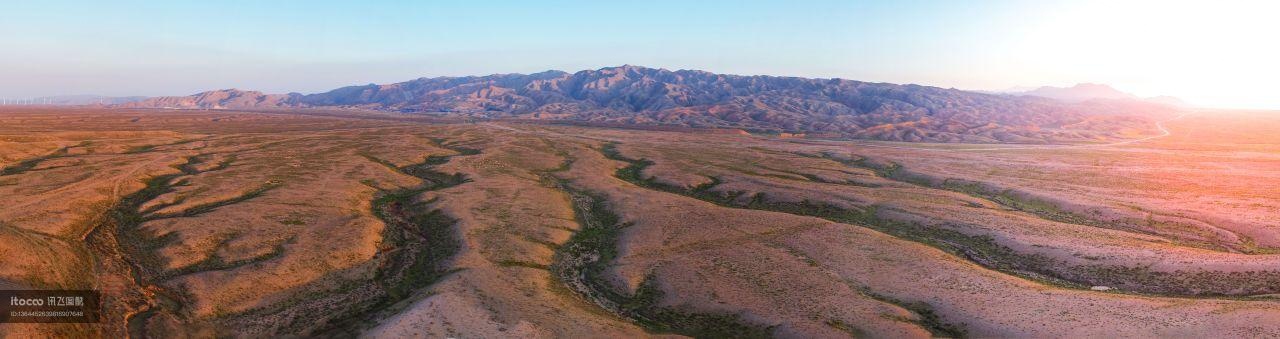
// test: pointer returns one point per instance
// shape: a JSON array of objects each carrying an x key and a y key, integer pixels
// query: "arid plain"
[{"x": 340, "y": 223}]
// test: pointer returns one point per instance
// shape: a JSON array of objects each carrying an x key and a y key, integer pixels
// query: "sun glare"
[{"x": 1208, "y": 53}]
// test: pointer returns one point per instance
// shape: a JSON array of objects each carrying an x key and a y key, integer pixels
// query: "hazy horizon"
[{"x": 1208, "y": 55}]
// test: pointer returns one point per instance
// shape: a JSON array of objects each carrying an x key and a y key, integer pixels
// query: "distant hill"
[
  {"x": 220, "y": 99},
  {"x": 82, "y": 100},
  {"x": 1078, "y": 93},
  {"x": 1087, "y": 91},
  {"x": 835, "y": 108}
]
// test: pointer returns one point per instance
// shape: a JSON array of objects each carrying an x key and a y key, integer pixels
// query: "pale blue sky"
[{"x": 181, "y": 47}]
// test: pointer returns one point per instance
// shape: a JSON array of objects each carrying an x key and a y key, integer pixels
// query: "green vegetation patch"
[
  {"x": 417, "y": 243},
  {"x": 581, "y": 264},
  {"x": 987, "y": 252},
  {"x": 29, "y": 164}
]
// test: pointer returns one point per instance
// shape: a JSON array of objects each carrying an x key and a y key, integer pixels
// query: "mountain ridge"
[{"x": 837, "y": 108}]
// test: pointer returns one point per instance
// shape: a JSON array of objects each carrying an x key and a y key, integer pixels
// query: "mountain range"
[{"x": 633, "y": 95}]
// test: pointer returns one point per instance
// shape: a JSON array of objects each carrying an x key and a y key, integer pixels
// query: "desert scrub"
[
  {"x": 581, "y": 264},
  {"x": 216, "y": 263},
  {"x": 1008, "y": 198},
  {"x": 211, "y": 206},
  {"x": 982, "y": 250},
  {"x": 1142, "y": 279},
  {"x": 928, "y": 318},
  {"x": 644, "y": 305},
  {"x": 891, "y": 170},
  {"x": 122, "y": 249},
  {"x": 27, "y": 165},
  {"x": 150, "y": 148},
  {"x": 417, "y": 244},
  {"x": 1040, "y": 208},
  {"x": 985, "y": 251}
]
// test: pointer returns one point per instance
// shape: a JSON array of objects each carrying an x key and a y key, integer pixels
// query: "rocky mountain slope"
[{"x": 834, "y": 108}]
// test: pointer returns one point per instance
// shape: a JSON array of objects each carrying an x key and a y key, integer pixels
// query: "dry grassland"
[{"x": 312, "y": 223}]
